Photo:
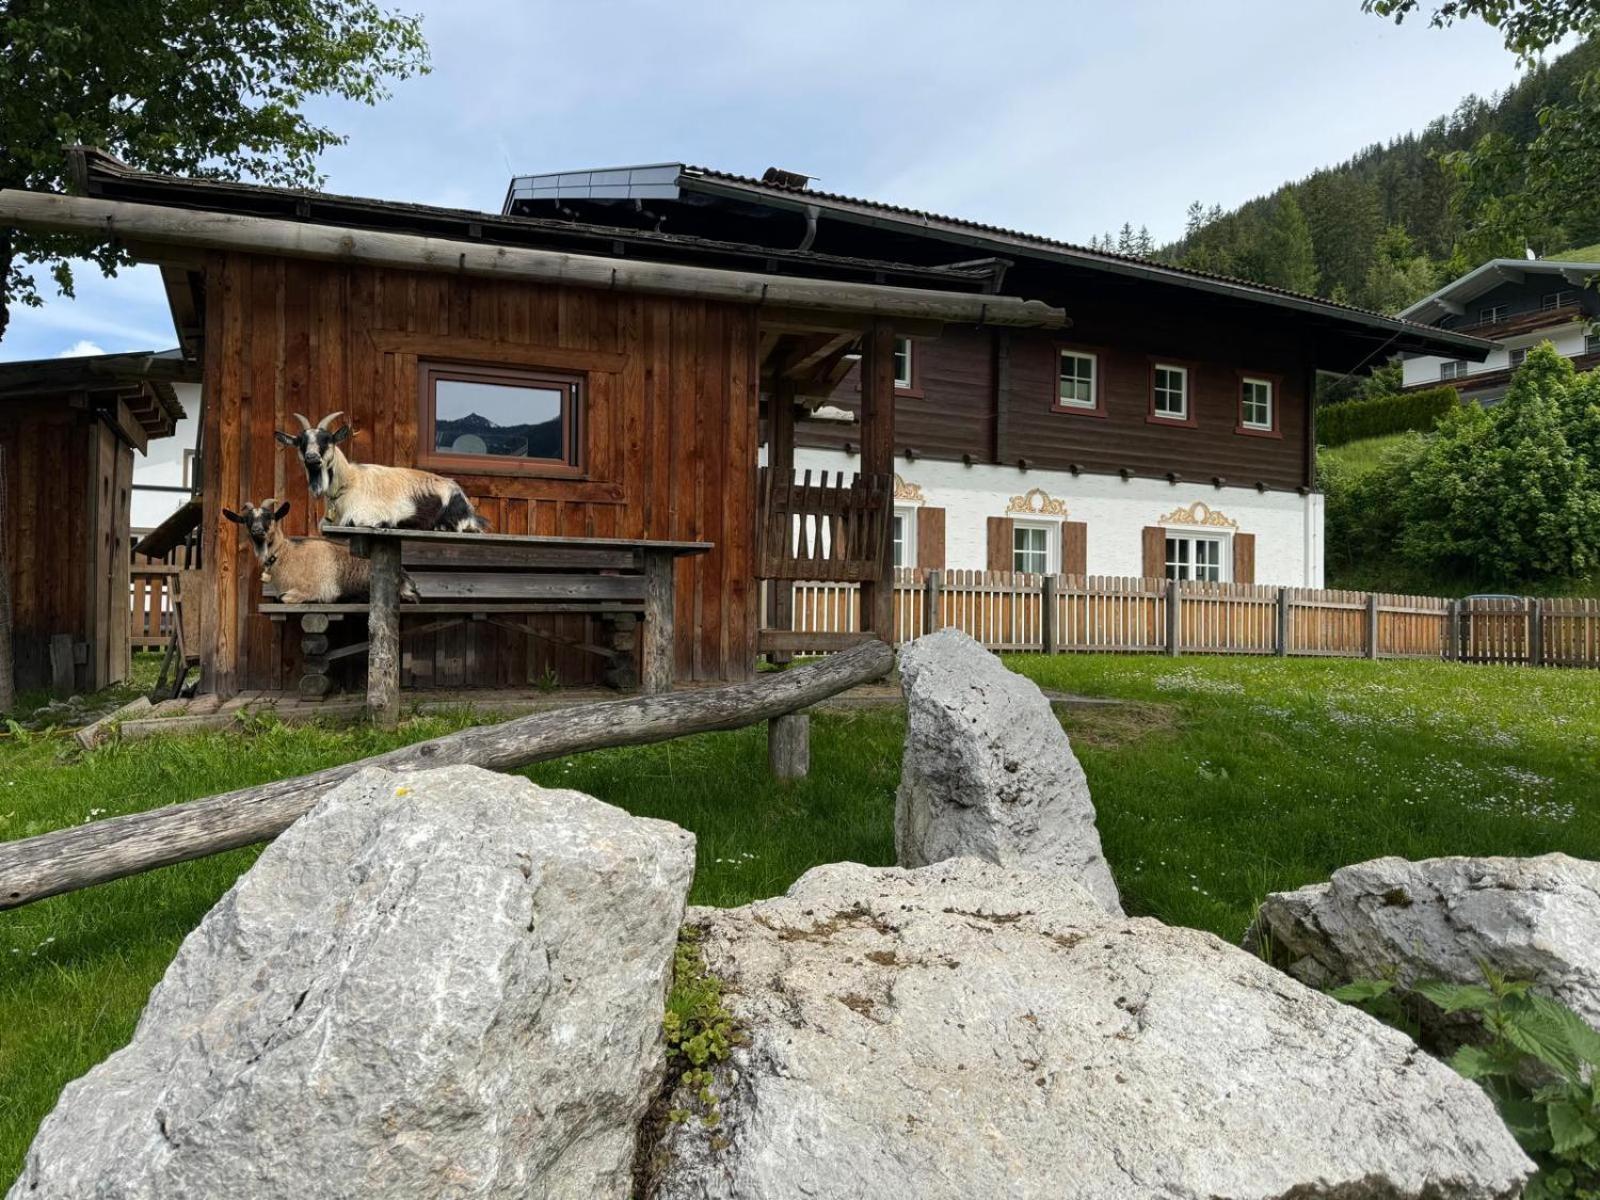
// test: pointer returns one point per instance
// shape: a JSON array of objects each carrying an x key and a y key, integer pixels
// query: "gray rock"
[
  {"x": 1528, "y": 918},
  {"x": 988, "y": 771},
  {"x": 968, "y": 1030},
  {"x": 443, "y": 984}
]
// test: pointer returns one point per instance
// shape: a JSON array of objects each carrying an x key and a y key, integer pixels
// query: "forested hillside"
[{"x": 1388, "y": 226}]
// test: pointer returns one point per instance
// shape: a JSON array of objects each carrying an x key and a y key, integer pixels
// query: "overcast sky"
[{"x": 1063, "y": 118}]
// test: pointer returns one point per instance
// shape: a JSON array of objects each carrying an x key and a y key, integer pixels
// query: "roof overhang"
[
  {"x": 141, "y": 383},
  {"x": 1451, "y": 300},
  {"x": 167, "y": 233}
]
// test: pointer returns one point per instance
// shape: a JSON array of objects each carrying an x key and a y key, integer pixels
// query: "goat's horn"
[
  {"x": 330, "y": 419},
  {"x": 305, "y": 422}
]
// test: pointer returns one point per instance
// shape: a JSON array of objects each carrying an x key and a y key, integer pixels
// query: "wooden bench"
[{"x": 496, "y": 578}]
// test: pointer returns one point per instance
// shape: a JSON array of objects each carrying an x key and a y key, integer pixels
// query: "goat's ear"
[
  {"x": 233, "y": 516},
  {"x": 283, "y": 511},
  {"x": 284, "y": 438},
  {"x": 343, "y": 435}
]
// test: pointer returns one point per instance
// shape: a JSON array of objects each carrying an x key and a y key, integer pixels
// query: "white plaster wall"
[
  {"x": 163, "y": 464},
  {"x": 1288, "y": 526},
  {"x": 1568, "y": 340}
]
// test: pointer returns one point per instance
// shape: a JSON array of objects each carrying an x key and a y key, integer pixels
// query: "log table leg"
[
  {"x": 314, "y": 680},
  {"x": 657, "y": 657},
  {"x": 383, "y": 634},
  {"x": 789, "y": 745}
]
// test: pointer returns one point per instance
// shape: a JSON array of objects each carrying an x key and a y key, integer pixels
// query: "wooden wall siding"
[
  {"x": 670, "y": 432},
  {"x": 951, "y": 411}
]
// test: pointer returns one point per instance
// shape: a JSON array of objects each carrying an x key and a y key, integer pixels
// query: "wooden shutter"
[
  {"x": 1074, "y": 548},
  {"x": 1000, "y": 544},
  {"x": 930, "y": 539},
  {"x": 1244, "y": 558},
  {"x": 1155, "y": 552}
]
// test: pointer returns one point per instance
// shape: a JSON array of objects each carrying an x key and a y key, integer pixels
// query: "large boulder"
[
  {"x": 443, "y": 984},
  {"x": 988, "y": 771},
  {"x": 1443, "y": 918},
  {"x": 972, "y": 1030}
]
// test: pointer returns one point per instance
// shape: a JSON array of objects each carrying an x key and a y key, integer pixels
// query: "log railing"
[
  {"x": 1067, "y": 613},
  {"x": 829, "y": 528}
]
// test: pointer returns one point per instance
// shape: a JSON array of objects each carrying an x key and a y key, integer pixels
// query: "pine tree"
[{"x": 1290, "y": 258}]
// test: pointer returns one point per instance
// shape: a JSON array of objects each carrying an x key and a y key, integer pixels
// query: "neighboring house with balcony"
[
  {"x": 1167, "y": 431},
  {"x": 1515, "y": 303}
]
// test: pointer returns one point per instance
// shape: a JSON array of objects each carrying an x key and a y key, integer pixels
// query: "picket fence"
[
  {"x": 152, "y": 594},
  {"x": 1104, "y": 614}
]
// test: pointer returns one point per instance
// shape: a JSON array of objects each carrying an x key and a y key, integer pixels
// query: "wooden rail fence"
[
  {"x": 152, "y": 593},
  {"x": 1075, "y": 613}
]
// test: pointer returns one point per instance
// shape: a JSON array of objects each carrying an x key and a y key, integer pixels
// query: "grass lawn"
[{"x": 1222, "y": 780}]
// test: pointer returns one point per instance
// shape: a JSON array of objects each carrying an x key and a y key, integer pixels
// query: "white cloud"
[{"x": 82, "y": 348}]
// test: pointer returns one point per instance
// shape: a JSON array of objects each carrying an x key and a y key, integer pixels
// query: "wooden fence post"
[
  {"x": 1372, "y": 624},
  {"x": 1282, "y": 646},
  {"x": 789, "y": 746},
  {"x": 1535, "y": 632},
  {"x": 932, "y": 585},
  {"x": 1174, "y": 626},
  {"x": 1047, "y": 614},
  {"x": 1452, "y": 632}
]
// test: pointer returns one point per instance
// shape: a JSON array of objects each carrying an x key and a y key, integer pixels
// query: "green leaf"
[
  {"x": 1456, "y": 997},
  {"x": 1477, "y": 1062},
  {"x": 1359, "y": 991},
  {"x": 1570, "y": 1129}
]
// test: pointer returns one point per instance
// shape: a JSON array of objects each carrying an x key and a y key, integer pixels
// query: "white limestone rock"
[
  {"x": 1441, "y": 918},
  {"x": 447, "y": 983},
  {"x": 988, "y": 771},
  {"x": 968, "y": 1030}
]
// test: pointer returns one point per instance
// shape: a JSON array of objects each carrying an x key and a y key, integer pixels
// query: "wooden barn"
[
  {"x": 646, "y": 351},
  {"x": 69, "y": 429}
]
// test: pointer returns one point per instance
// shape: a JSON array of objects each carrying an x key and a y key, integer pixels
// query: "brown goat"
[{"x": 308, "y": 570}]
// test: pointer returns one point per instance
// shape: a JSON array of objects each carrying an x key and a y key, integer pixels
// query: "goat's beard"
[{"x": 317, "y": 479}]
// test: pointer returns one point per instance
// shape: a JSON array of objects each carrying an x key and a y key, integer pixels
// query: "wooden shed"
[{"x": 68, "y": 432}]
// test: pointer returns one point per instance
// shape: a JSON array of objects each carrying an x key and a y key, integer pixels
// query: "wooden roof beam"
[
  {"x": 154, "y": 227},
  {"x": 814, "y": 353}
]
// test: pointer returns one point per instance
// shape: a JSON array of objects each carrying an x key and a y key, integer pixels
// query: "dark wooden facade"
[
  {"x": 990, "y": 395},
  {"x": 669, "y": 428},
  {"x": 68, "y": 431}
]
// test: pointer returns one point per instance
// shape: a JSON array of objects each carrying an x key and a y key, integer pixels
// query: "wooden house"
[
  {"x": 69, "y": 429},
  {"x": 690, "y": 344}
]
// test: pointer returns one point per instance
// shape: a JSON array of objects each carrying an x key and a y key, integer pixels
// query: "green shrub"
[
  {"x": 1383, "y": 415},
  {"x": 1526, "y": 1036}
]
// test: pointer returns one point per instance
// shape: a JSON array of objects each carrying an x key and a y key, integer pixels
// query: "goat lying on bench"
[{"x": 307, "y": 570}]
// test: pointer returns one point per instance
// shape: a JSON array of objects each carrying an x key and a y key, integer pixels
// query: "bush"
[{"x": 1383, "y": 415}]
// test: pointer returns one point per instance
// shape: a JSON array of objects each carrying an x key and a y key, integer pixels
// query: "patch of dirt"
[
  {"x": 824, "y": 928},
  {"x": 1118, "y": 725}
]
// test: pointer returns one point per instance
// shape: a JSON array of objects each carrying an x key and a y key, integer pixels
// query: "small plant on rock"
[
  {"x": 1527, "y": 1037},
  {"x": 700, "y": 1032}
]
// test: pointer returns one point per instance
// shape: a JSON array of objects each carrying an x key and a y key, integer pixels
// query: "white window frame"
[
  {"x": 1493, "y": 313},
  {"x": 1094, "y": 380},
  {"x": 1452, "y": 368},
  {"x": 905, "y": 519},
  {"x": 1516, "y": 356},
  {"x": 1157, "y": 391},
  {"x": 1245, "y": 384},
  {"x": 1050, "y": 545},
  {"x": 1184, "y": 559},
  {"x": 902, "y": 347},
  {"x": 1591, "y": 343},
  {"x": 1551, "y": 301}
]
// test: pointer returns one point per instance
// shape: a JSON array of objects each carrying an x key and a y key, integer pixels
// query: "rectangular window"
[
  {"x": 902, "y": 363},
  {"x": 1255, "y": 404},
  {"x": 500, "y": 420},
  {"x": 1453, "y": 368},
  {"x": 1190, "y": 557},
  {"x": 1517, "y": 357},
  {"x": 1030, "y": 549},
  {"x": 905, "y": 537},
  {"x": 1075, "y": 380},
  {"x": 1171, "y": 392},
  {"x": 1559, "y": 299},
  {"x": 1495, "y": 312},
  {"x": 1591, "y": 343}
]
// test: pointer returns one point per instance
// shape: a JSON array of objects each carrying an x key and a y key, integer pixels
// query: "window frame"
[
  {"x": 1051, "y": 545},
  {"x": 1187, "y": 419},
  {"x": 574, "y": 386},
  {"x": 908, "y": 385},
  {"x": 1452, "y": 368},
  {"x": 1551, "y": 301},
  {"x": 1273, "y": 427},
  {"x": 1096, "y": 407},
  {"x": 1591, "y": 343},
  {"x": 907, "y": 516},
  {"x": 1512, "y": 361},
  {"x": 1493, "y": 314},
  {"x": 1222, "y": 540}
]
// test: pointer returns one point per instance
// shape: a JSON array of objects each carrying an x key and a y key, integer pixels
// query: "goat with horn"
[
  {"x": 377, "y": 496},
  {"x": 306, "y": 570}
]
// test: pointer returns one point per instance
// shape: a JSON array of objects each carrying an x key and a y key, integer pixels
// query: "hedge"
[{"x": 1356, "y": 419}]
